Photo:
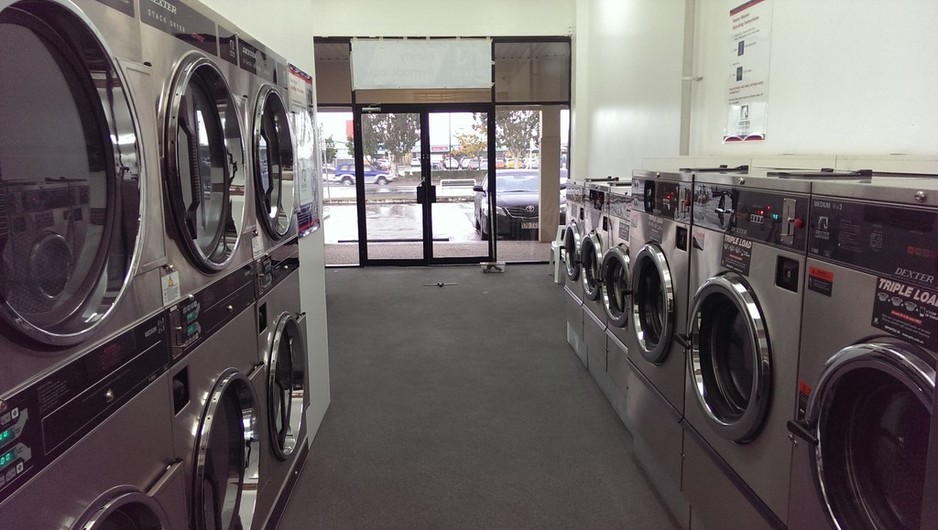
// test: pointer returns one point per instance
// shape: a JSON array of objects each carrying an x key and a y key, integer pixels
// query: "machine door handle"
[
  {"x": 725, "y": 210},
  {"x": 798, "y": 429}
]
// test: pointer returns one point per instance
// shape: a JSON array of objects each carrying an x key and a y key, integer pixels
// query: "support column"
[{"x": 549, "y": 216}]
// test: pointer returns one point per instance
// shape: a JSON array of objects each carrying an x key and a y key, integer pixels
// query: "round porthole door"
[
  {"x": 204, "y": 164},
  {"x": 870, "y": 412},
  {"x": 286, "y": 386},
  {"x": 616, "y": 288},
  {"x": 571, "y": 250},
  {"x": 227, "y": 451},
  {"x": 70, "y": 173},
  {"x": 124, "y": 508},
  {"x": 729, "y": 359},
  {"x": 591, "y": 257},
  {"x": 273, "y": 164},
  {"x": 652, "y": 303}
]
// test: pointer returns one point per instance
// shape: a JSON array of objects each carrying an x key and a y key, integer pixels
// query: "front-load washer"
[
  {"x": 573, "y": 301},
  {"x": 866, "y": 372},
  {"x": 592, "y": 248},
  {"x": 89, "y": 445},
  {"x": 201, "y": 140},
  {"x": 81, "y": 240},
  {"x": 218, "y": 424},
  {"x": 659, "y": 255},
  {"x": 271, "y": 147},
  {"x": 747, "y": 276},
  {"x": 285, "y": 397},
  {"x": 616, "y": 293}
]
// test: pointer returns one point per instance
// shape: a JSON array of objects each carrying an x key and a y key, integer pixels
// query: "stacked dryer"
[
  {"x": 84, "y": 415},
  {"x": 747, "y": 281},
  {"x": 281, "y": 327},
  {"x": 216, "y": 376},
  {"x": 866, "y": 373}
]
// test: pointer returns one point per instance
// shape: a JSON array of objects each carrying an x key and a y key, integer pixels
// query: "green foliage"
[
  {"x": 514, "y": 131},
  {"x": 398, "y": 134},
  {"x": 330, "y": 150}
]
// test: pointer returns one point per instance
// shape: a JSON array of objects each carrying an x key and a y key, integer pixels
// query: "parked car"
[
  {"x": 345, "y": 174},
  {"x": 517, "y": 196}
]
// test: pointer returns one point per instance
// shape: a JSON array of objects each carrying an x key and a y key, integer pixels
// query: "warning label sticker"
[
  {"x": 906, "y": 311},
  {"x": 737, "y": 254},
  {"x": 821, "y": 281}
]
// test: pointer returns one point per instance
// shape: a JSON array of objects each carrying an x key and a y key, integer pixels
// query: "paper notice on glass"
[
  {"x": 305, "y": 155},
  {"x": 748, "y": 77}
]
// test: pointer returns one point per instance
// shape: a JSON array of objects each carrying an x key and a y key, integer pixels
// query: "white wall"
[
  {"x": 628, "y": 86},
  {"x": 449, "y": 18},
  {"x": 283, "y": 26},
  {"x": 846, "y": 77}
]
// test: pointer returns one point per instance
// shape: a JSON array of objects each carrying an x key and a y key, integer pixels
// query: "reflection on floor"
[{"x": 508, "y": 251}]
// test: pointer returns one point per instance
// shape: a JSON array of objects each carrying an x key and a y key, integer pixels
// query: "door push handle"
[
  {"x": 432, "y": 193},
  {"x": 725, "y": 210},
  {"x": 421, "y": 194}
]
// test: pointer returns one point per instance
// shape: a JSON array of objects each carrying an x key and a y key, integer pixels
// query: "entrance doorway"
[{"x": 419, "y": 172}]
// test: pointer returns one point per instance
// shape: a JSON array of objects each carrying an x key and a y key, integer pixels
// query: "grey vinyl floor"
[{"x": 463, "y": 407}]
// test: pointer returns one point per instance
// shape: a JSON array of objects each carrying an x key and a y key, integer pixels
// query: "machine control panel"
[
  {"x": 197, "y": 316},
  {"x": 668, "y": 199},
  {"x": 40, "y": 422},
  {"x": 774, "y": 218}
]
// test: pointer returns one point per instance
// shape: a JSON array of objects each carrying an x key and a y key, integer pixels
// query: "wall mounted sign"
[{"x": 747, "y": 92}]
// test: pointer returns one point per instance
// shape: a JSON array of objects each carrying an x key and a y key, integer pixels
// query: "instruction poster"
[
  {"x": 300, "y": 86},
  {"x": 748, "y": 76}
]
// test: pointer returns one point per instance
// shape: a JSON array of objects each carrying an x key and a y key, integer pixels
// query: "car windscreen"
[{"x": 518, "y": 183}]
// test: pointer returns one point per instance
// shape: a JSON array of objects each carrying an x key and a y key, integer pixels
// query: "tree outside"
[
  {"x": 516, "y": 131},
  {"x": 396, "y": 134},
  {"x": 470, "y": 146},
  {"x": 330, "y": 150}
]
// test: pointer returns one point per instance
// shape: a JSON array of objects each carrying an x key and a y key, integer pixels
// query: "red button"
[{"x": 798, "y": 223}]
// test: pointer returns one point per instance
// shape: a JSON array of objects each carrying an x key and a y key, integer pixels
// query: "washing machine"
[
  {"x": 80, "y": 223},
  {"x": 866, "y": 371},
  {"x": 282, "y": 343},
  {"x": 573, "y": 301},
  {"x": 271, "y": 149},
  {"x": 747, "y": 278},
  {"x": 201, "y": 139},
  {"x": 592, "y": 247},
  {"x": 659, "y": 238},
  {"x": 218, "y": 422},
  {"x": 90, "y": 445},
  {"x": 616, "y": 291}
]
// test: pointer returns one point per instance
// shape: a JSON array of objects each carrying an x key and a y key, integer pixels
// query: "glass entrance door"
[{"x": 417, "y": 172}]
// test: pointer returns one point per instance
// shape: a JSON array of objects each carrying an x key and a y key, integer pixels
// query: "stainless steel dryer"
[
  {"x": 572, "y": 238},
  {"x": 80, "y": 221},
  {"x": 747, "y": 271},
  {"x": 89, "y": 446},
  {"x": 616, "y": 294},
  {"x": 271, "y": 147},
  {"x": 218, "y": 424},
  {"x": 203, "y": 160},
  {"x": 658, "y": 247},
  {"x": 592, "y": 248},
  {"x": 282, "y": 344},
  {"x": 866, "y": 372}
]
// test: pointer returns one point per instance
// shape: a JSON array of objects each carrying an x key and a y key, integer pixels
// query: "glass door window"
[{"x": 420, "y": 199}]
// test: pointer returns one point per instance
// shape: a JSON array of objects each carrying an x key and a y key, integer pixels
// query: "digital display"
[
  {"x": 7, "y": 458},
  {"x": 6, "y": 435}
]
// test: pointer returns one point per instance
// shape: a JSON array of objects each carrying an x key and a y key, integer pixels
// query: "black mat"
[{"x": 463, "y": 407}]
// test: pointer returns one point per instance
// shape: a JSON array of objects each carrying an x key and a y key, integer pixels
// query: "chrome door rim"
[
  {"x": 743, "y": 428},
  {"x": 615, "y": 271},
  {"x": 272, "y": 224},
  {"x": 591, "y": 257},
  {"x": 889, "y": 358},
  {"x": 653, "y": 352},
  {"x": 285, "y": 320},
  {"x": 571, "y": 241},
  {"x": 120, "y": 498}
]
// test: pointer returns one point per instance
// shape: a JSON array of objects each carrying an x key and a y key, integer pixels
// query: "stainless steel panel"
[
  {"x": 715, "y": 500},
  {"x": 764, "y": 462},
  {"x": 594, "y": 335},
  {"x": 619, "y": 369},
  {"x": 650, "y": 418},
  {"x": 667, "y": 377},
  {"x": 132, "y": 448},
  {"x": 574, "y": 311}
]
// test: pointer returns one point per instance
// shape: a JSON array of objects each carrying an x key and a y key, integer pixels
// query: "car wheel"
[
  {"x": 381, "y": 181},
  {"x": 347, "y": 181}
]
